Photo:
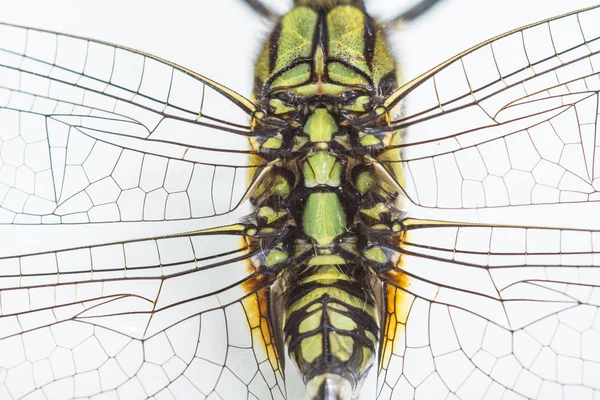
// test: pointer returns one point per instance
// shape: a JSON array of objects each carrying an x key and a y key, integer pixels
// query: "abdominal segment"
[{"x": 331, "y": 325}]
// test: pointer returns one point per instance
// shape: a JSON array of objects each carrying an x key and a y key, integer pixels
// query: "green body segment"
[
  {"x": 322, "y": 168},
  {"x": 321, "y": 50},
  {"x": 324, "y": 47},
  {"x": 324, "y": 218},
  {"x": 320, "y": 126},
  {"x": 331, "y": 323}
]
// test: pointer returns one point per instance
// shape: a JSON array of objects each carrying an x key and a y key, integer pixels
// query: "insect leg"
[
  {"x": 260, "y": 8},
  {"x": 414, "y": 12}
]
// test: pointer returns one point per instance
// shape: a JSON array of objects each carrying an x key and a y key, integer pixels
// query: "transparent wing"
[
  {"x": 172, "y": 317},
  {"x": 512, "y": 121},
  {"x": 484, "y": 311},
  {"x": 93, "y": 132}
]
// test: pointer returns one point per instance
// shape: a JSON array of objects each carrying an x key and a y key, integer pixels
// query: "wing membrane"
[
  {"x": 512, "y": 121},
  {"x": 93, "y": 132},
  {"x": 508, "y": 306},
  {"x": 484, "y": 310},
  {"x": 472, "y": 310},
  {"x": 147, "y": 314}
]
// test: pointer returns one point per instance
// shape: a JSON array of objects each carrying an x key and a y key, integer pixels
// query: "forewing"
[
  {"x": 512, "y": 121},
  {"x": 170, "y": 317},
  {"x": 94, "y": 132}
]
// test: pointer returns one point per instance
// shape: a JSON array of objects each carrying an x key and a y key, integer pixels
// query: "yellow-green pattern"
[
  {"x": 323, "y": 47},
  {"x": 440, "y": 238},
  {"x": 323, "y": 204},
  {"x": 331, "y": 324}
]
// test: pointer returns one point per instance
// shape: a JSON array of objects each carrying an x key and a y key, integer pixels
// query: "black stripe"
[
  {"x": 321, "y": 37},
  {"x": 274, "y": 47},
  {"x": 356, "y": 314},
  {"x": 364, "y": 321},
  {"x": 370, "y": 33}
]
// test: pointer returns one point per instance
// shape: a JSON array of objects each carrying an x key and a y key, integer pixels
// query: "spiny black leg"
[
  {"x": 262, "y": 9},
  {"x": 414, "y": 12}
]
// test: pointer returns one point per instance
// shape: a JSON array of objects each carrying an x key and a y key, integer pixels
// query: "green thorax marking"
[
  {"x": 320, "y": 126},
  {"x": 324, "y": 218},
  {"x": 322, "y": 169},
  {"x": 324, "y": 47}
]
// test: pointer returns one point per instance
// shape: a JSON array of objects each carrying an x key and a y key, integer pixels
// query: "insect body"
[
  {"x": 431, "y": 231},
  {"x": 327, "y": 211}
]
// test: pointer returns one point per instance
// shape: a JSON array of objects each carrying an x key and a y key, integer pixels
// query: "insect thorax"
[{"x": 325, "y": 206}]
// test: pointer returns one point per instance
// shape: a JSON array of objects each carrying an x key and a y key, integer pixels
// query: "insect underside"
[
  {"x": 327, "y": 221},
  {"x": 442, "y": 232}
]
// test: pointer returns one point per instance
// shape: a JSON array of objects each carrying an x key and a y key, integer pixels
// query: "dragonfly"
[{"x": 499, "y": 302}]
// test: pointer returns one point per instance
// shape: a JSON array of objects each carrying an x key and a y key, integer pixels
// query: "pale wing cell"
[
  {"x": 93, "y": 132},
  {"x": 513, "y": 121}
]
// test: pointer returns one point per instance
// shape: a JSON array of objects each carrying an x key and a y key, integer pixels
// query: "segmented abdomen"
[{"x": 331, "y": 327}]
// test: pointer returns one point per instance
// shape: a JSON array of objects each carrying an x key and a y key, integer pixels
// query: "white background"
[{"x": 221, "y": 38}]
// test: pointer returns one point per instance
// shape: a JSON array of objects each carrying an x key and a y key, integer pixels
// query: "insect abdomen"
[
  {"x": 331, "y": 330},
  {"x": 331, "y": 321}
]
